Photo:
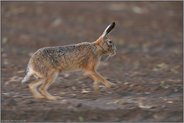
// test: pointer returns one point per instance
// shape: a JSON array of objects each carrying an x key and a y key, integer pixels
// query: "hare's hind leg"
[
  {"x": 33, "y": 88},
  {"x": 45, "y": 86}
]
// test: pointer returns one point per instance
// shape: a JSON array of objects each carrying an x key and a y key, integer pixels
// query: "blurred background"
[{"x": 147, "y": 68}]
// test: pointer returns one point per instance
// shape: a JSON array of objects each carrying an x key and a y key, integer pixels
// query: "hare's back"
[
  {"x": 61, "y": 57},
  {"x": 48, "y": 56}
]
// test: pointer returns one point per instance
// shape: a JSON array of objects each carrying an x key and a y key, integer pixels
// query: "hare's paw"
[
  {"x": 96, "y": 87},
  {"x": 53, "y": 97},
  {"x": 39, "y": 96},
  {"x": 110, "y": 85}
]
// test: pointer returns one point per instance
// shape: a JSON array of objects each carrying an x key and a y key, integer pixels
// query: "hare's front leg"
[
  {"x": 98, "y": 78},
  {"x": 45, "y": 86},
  {"x": 96, "y": 86}
]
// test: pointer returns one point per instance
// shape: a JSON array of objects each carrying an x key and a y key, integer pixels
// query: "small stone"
[
  {"x": 66, "y": 75},
  {"x": 6, "y": 94},
  {"x": 170, "y": 101},
  {"x": 145, "y": 106},
  {"x": 56, "y": 22},
  {"x": 73, "y": 88},
  {"x": 73, "y": 95},
  {"x": 131, "y": 85},
  {"x": 147, "y": 92},
  {"x": 63, "y": 101},
  {"x": 137, "y": 10},
  {"x": 85, "y": 91},
  {"x": 126, "y": 83}
]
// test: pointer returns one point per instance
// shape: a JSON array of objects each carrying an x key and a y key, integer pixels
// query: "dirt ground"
[{"x": 147, "y": 69}]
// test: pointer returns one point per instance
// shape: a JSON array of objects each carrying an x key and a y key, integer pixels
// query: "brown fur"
[{"x": 48, "y": 62}]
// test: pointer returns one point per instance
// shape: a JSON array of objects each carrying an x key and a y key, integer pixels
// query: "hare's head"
[{"x": 105, "y": 44}]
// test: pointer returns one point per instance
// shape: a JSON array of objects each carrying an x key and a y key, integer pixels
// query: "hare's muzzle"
[{"x": 113, "y": 51}]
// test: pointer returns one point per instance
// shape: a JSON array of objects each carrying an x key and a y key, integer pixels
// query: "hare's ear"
[{"x": 108, "y": 29}]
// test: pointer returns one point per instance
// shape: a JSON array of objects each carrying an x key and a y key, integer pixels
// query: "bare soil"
[{"x": 147, "y": 69}]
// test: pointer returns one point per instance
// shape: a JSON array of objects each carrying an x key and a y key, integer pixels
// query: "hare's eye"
[{"x": 109, "y": 42}]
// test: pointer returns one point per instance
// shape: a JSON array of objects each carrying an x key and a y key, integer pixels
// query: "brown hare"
[{"x": 47, "y": 62}]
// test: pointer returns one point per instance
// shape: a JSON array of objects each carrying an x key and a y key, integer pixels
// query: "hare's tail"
[{"x": 27, "y": 77}]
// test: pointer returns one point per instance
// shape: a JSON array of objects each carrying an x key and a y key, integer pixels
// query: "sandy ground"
[{"x": 147, "y": 69}]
